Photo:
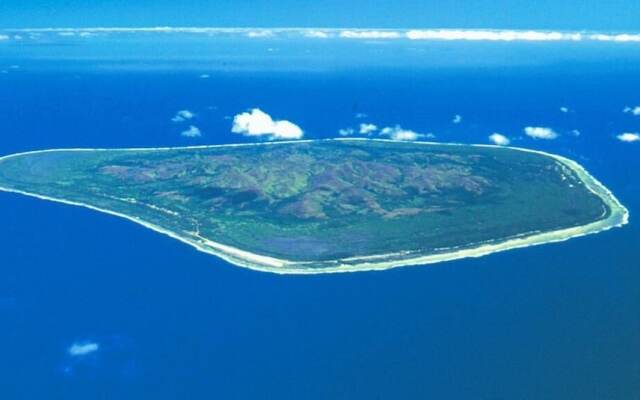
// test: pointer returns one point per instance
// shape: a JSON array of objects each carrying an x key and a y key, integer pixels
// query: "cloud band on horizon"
[{"x": 360, "y": 34}]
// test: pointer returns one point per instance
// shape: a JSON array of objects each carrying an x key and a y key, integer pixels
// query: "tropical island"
[{"x": 334, "y": 205}]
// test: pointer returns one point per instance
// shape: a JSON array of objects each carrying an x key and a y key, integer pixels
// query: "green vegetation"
[{"x": 325, "y": 204}]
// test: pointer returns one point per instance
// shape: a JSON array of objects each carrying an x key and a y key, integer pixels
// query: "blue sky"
[{"x": 615, "y": 15}]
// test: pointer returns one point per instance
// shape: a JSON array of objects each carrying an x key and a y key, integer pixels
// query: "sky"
[{"x": 612, "y": 15}]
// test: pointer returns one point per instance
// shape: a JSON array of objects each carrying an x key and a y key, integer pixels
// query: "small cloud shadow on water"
[
  {"x": 99, "y": 358},
  {"x": 8, "y": 303}
]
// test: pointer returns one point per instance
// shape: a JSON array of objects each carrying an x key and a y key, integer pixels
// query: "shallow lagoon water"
[{"x": 554, "y": 321}]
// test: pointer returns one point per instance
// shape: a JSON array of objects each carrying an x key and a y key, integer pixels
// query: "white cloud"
[
  {"x": 564, "y": 109},
  {"x": 457, "y": 119},
  {"x": 366, "y": 129},
  {"x": 260, "y": 34},
  {"x": 82, "y": 348},
  {"x": 633, "y": 110},
  {"x": 370, "y": 34},
  {"x": 316, "y": 34},
  {"x": 4, "y": 37},
  {"x": 346, "y": 131},
  {"x": 490, "y": 35},
  {"x": 67, "y": 33},
  {"x": 538, "y": 132},
  {"x": 258, "y": 123},
  {"x": 499, "y": 139},
  {"x": 427, "y": 34},
  {"x": 205, "y": 76},
  {"x": 361, "y": 115},
  {"x": 398, "y": 133},
  {"x": 192, "y": 132},
  {"x": 628, "y": 137},
  {"x": 625, "y": 37},
  {"x": 183, "y": 115},
  {"x": 576, "y": 132}
]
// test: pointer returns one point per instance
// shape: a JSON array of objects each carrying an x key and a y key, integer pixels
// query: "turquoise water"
[{"x": 549, "y": 322}]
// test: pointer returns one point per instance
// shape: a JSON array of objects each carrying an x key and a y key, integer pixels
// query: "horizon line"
[
  {"x": 300, "y": 28},
  {"x": 441, "y": 34}
]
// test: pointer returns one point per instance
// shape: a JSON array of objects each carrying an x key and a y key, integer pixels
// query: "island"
[{"x": 331, "y": 205}]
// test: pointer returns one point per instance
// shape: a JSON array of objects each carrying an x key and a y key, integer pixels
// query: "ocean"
[{"x": 152, "y": 318}]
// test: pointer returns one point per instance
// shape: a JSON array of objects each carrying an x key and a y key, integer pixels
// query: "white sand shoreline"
[{"x": 619, "y": 216}]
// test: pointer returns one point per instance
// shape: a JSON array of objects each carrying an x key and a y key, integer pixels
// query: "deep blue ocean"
[{"x": 559, "y": 321}]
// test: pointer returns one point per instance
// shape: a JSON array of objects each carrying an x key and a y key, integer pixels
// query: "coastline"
[{"x": 618, "y": 216}]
